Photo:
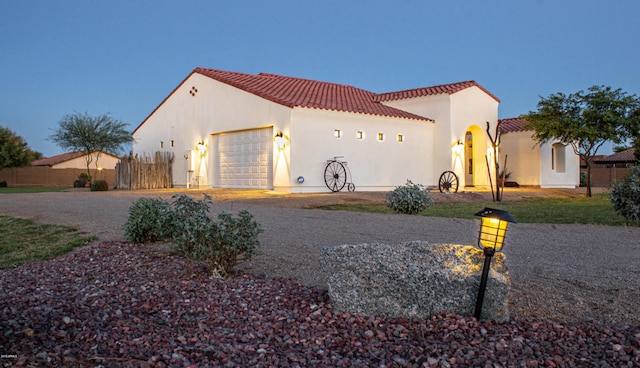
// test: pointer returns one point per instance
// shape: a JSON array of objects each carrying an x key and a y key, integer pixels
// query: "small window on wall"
[
  {"x": 337, "y": 133},
  {"x": 400, "y": 138},
  {"x": 380, "y": 137},
  {"x": 558, "y": 157},
  {"x": 172, "y": 143},
  {"x": 161, "y": 144},
  {"x": 360, "y": 135}
]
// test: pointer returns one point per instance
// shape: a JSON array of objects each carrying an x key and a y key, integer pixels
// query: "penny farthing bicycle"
[{"x": 337, "y": 174}]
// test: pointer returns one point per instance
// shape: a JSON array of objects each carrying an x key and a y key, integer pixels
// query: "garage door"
[{"x": 244, "y": 159}]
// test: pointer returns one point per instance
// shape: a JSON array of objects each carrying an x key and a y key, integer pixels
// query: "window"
[
  {"x": 172, "y": 143},
  {"x": 359, "y": 134},
  {"x": 400, "y": 138},
  {"x": 161, "y": 144},
  {"x": 337, "y": 133},
  {"x": 380, "y": 137},
  {"x": 558, "y": 157}
]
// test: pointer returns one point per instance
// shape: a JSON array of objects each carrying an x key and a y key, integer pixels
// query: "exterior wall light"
[
  {"x": 201, "y": 147},
  {"x": 280, "y": 140},
  {"x": 493, "y": 229}
]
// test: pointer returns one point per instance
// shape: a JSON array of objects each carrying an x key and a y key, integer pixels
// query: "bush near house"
[
  {"x": 220, "y": 245},
  {"x": 409, "y": 199},
  {"x": 625, "y": 196}
]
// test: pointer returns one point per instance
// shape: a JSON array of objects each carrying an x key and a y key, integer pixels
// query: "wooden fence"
[
  {"x": 47, "y": 176},
  {"x": 145, "y": 172}
]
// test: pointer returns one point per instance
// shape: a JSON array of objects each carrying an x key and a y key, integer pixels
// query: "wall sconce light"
[
  {"x": 458, "y": 148},
  {"x": 493, "y": 228},
  {"x": 280, "y": 140},
  {"x": 201, "y": 147}
]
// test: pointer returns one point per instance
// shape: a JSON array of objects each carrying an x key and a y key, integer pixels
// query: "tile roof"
[
  {"x": 513, "y": 125},
  {"x": 299, "y": 92},
  {"x": 435, "y": 90},
  {"x": 618, "y": 157},
  {"x": 54, "y": 160}
]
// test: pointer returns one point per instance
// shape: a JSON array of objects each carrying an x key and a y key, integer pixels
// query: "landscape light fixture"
[
  {"x": 280, "y": 140},
  {"x": 493, "y": 228}
]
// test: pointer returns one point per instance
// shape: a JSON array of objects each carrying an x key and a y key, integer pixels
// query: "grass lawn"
[
  {"x": 23, "y": 241},
  {"x": 597, "y": 210},
  {"x": 13, "y": 190}
]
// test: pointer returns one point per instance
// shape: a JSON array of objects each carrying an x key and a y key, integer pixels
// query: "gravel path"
[{"x": 562, "y": 272}]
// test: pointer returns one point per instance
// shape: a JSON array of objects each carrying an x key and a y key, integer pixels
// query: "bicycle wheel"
[
  {"x": 335, "y": 176},
  {"x": 351, "y": 187},
  {"x": 448, "y": 182}
]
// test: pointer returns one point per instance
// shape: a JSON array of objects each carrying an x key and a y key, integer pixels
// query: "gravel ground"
[
  {"x": 574, "y": 299},
  {"x": 121, "y": 305}
]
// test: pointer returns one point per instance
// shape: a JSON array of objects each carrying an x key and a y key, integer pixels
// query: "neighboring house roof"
[
  {"x": 626, "y": 156},
  {"x": 55, "y": 160},
  {"x": 511, "y": 125},
  {"x": 435, "y": 90},
  {"x": 58, "y": 159}
]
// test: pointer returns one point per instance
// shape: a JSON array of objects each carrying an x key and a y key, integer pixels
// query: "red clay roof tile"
[
  {"x": 626, "y": 156},
  {"x": 54, "y": 160},
  {"x": 435, "y": 90},
  {"x": 513, "y": 125},
  {"x": 299, "y": 92}
]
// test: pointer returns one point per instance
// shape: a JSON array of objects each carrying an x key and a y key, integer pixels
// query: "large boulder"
[{"x": 414, "y": 280}]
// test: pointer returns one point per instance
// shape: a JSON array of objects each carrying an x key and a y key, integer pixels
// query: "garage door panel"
[{"x": 244, "y": 159}]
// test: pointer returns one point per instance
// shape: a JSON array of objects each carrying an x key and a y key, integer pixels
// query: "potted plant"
[{"x": 502, "y": 177}]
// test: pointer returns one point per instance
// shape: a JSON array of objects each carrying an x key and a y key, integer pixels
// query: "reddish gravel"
[{"x": 120, "y": 305}]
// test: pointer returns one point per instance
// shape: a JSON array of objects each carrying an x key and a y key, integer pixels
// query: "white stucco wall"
[
  {"x": 558, "y": 175},
  {"x": 186, "y": 119},
  {"x": 374, "y": 165},
  {"x": 105, "y": 161},
  {"x": 523, "y": 157},
  {"x": 454, "y": 115},
  {"x": 531, "y": 164}
]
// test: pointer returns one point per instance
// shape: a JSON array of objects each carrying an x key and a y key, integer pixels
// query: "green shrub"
[
  {"x": 409, "y": 199},
  {"x": 223, "y": 244},
  {"x": 220, "y": 245},
  {"x": 100, "y": 185},
  {"x": 625, "y": 196},
  {"x": 3, "y": 184},
  {"x": 150, "y": 220}
]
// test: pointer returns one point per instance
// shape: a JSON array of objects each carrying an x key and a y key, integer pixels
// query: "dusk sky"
[{"x": 125, "y": 57}]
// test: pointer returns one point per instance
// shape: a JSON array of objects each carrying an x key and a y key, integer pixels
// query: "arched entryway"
[{"x": 475, "y": 150}]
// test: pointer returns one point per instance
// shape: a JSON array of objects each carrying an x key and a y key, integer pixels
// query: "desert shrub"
[
  {"x": 225, "y": 243},
  {"x": 625, "y": 196},
  {"x": 220, "y": 245},
  {"x": 409, "y": 199},
  {"x": 191, "y": 222},
  {"x": 150, "y": 220},
  {"x": 100, "y": 185}
]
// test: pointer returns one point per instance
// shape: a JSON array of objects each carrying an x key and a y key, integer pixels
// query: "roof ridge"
[{"x": 448, "y": 88}]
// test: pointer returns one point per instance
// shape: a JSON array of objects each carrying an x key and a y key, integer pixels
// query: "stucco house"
[
  {"x": 267, "y": 131},
  {"x": 78, "y": 160}
]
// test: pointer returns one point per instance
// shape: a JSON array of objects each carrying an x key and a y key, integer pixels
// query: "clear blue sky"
[{"x": 125, "y": 57}]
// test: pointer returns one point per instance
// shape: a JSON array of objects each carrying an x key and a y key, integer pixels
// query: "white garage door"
[{"x": 244, "y": 159}]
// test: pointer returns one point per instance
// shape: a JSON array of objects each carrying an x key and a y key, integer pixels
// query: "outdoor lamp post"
[{"x": 490, "y": 239}]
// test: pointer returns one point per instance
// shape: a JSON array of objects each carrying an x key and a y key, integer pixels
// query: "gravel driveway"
[{"x": 564, "y": 272}]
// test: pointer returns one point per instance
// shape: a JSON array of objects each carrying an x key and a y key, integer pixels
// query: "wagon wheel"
[
  {"x": 335, "y": 176},
  {"x": 448, "y": 182}
]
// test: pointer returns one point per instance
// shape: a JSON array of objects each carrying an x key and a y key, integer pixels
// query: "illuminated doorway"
[{"x": 468, "y": 154}]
